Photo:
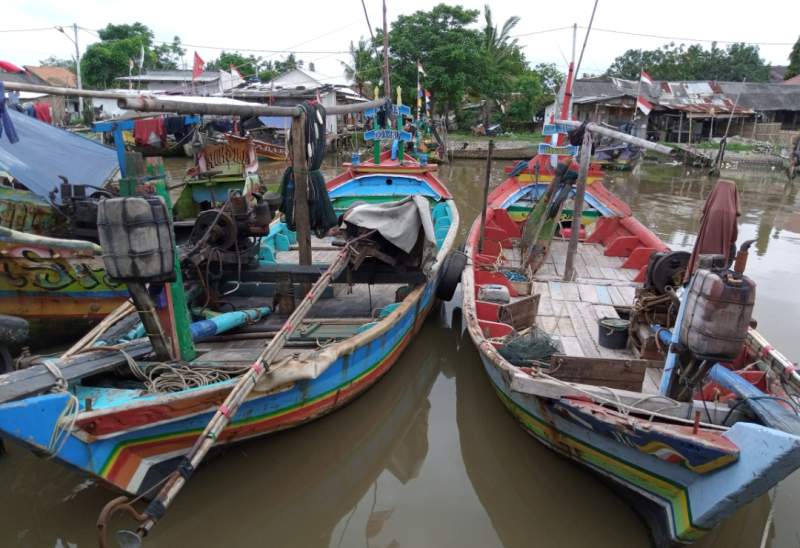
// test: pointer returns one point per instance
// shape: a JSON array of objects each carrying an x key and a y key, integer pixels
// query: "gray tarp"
[
  {"x": 399, "y": 222},
  {"x": 44, "y": 152}
]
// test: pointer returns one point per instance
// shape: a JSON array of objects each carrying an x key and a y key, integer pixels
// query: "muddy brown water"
[{"x": 429, "y": 457}]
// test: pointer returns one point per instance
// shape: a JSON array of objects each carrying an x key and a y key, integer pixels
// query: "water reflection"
[{"x": 428, "y": 456}]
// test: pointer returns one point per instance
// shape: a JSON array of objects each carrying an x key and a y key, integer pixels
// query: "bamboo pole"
[
  {"x": 577, "y": 208},
  {"x": 188, "y": 104},
  {"x": 237, "y": 396},
  {"x": 624, "y": 137},
  {"x": 486, "y": 181}
]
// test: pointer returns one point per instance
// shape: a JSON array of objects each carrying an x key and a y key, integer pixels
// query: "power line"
[
  {"x": 707, "y": 40},
  {"x": 540, "y": 32},
  {"x": 30, "y": 30}
]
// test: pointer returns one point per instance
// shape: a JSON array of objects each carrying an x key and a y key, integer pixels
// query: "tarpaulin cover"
[
  {"x": 44, "y": 152},
  {"x": 399, "y": 222}
]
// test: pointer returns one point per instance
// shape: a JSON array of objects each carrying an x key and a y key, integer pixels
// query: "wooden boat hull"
[
  {"x": 689, "y": 504},
  {"x": 132, "y": 441},
  {"x": 689, "y": 479},
  {"x": 54, "y": 282}
]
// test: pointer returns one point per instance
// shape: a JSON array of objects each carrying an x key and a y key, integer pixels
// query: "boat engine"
[
  {"x": 79, "y": 206},
  {"x": 228, "y": 235}
]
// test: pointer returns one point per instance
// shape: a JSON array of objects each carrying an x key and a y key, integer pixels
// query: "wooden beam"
[
  {"x": 302, "y": 220},
  {"x": 37, "y": 378},
  {"x": 368, "y": 273},
  {"x": 577, "y": 209}
]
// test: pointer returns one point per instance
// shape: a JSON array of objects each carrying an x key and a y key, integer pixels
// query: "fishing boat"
[
  {"x": 52, "y": 272},
  {"x": 598, "y": 368},
  {"x": 132, "y": 431},
  {"x": 265, "y": 150}
]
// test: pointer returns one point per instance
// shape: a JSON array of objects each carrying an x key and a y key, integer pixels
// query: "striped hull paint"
[
  {"x": 130, "y": 460},
  {"x": 533, "y": 415}
]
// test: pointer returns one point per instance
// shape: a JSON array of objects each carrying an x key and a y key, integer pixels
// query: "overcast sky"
[{"x": 322, "y": 30}]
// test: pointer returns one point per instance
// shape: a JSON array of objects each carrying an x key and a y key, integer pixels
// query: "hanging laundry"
[
  {"x": 43, "y": 113},
  {"x": 149, "y": 131}
]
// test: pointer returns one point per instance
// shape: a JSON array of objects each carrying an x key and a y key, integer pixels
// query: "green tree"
[
  {"x": 794, "y": 61},
  {"x": 246, "y": 65},
  {"x": 500, "y": 64},
  {"x": 119, "y": 44},
  {"x": 737, "y": 62},
  {"x": 54, "y": 61},
  {"x": 363, "y": 67},
  {"x": 447, "y": 49},
  {"x": 290, "y": 63}
]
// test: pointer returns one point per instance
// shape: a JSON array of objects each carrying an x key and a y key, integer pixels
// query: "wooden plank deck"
[{"x": 571, "y": 310}]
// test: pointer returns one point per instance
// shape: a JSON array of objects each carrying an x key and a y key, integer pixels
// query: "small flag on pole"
[
  {"x": 197, "y": 69},
  {"x": 644, "y": 105},
  {"x": 420, "y": 69},
  {"x": 645, "y": 78},
  {"x": 235, "y": 71}
]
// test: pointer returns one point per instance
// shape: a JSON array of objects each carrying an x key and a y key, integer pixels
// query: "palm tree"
[
  {"x": 361, "y": 66},
  {"x": 500, "y": 51}
]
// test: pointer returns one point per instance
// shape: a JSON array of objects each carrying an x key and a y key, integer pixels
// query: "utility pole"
[{"x": 78, "y": 67}]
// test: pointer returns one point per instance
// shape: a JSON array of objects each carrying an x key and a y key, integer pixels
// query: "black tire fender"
[{"x": 450, "y": 274}]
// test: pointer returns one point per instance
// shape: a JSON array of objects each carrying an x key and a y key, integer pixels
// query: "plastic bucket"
[{"x": 613, "y": 332}]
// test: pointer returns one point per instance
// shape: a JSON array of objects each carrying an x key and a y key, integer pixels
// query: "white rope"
[
  {"x": 65, "y": 422},
  {"x": 621, "y": 405}
]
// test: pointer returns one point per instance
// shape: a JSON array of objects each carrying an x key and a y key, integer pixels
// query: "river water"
[{"x": 429, "y": 457}]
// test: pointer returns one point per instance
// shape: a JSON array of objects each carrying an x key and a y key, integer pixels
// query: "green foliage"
[
  {"x": 290, "y": 63},
  {"x": 363, "y": 67},
  {"x": 246, "y": 65},
  {"x": 794, "y": 61},
  {"x": 110, "y": 58},
  {"x": 447, "y": 49},
  {"x": 678, "y": 62},
  {"x": 54, "y": 61}
]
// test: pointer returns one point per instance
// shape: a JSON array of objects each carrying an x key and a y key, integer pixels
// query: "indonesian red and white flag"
[
  {"x": 645, "y": 78},
  {"x": 236, "y": 72},
  {"x": 644, "y": 105},
  {"x": 197, "y": 69}
]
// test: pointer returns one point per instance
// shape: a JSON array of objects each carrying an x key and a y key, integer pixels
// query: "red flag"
[
  {"x": 197, "y": 69},
  {"x": 235, "y": 71},
  {"x": 645, "y": 78},
  {"x": 644, "y": 105}
]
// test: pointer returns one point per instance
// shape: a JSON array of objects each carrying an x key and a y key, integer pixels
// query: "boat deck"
[
  {"x": 340, "y": 313},
  {"x": 570, "y": 310}
]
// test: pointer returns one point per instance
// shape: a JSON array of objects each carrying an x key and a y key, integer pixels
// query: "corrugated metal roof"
[{"x": 695, "y": 96}]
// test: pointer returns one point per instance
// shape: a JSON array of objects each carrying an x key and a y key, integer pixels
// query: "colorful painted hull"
[
  {"x": 54, "y": 282},
  {"x": 131, "y": 442},
  {"x": 683, "y": 480}
]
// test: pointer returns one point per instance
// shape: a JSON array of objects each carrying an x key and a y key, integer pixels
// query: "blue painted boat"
[
  {"x": 130, "y": 429},
  {"x": 685, "y": 464}
]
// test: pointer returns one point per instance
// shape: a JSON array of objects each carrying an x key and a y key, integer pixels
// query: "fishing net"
[
  {"x": 320, "y": 209},
  {"x": 526, "y": 348}
]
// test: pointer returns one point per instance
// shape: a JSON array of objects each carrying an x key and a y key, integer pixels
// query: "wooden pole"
[
  {"x": 387, "y": 88},
  {"x": 577, "y": 209},
  {"x": 302, "y": 220},
  {"x": 486, "y": 181},
  {"x": 680, "y": 128}
]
